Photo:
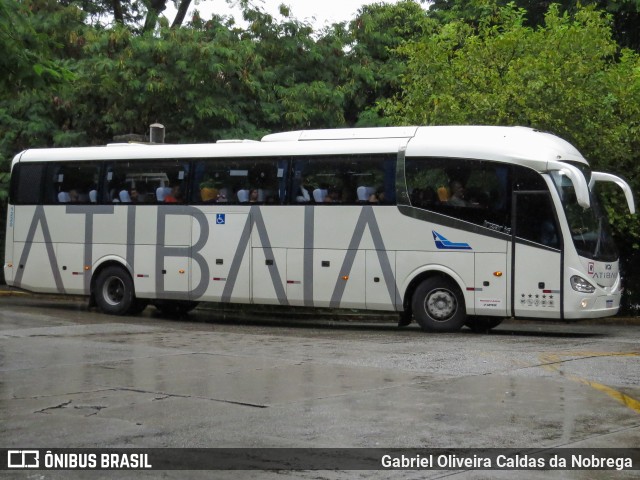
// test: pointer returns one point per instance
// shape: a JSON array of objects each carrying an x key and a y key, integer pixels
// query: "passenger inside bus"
[
  {"x": 303, "y": 196},
  {"x": 209, "y": 194},
  {"x": 458, "y": 191},
  {"x": 175, "y": 196},
  {"x": 124, "y": 196},
  {"x": 140, "y": 194},
  {"x": 364, "y": 194},
  {"x": 243, "y": 195},
  {"x": 162, "y": 192},
  {"x": 377, "y": 196},
  {"x": 63, "y": 197},
  {"x": 319, "y": 195},
  {"x": 333, "y": 196}
]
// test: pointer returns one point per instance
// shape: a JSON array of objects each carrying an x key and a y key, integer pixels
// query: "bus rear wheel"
[
  {"x": 114, "y": 291},
  {"x": 438, "y": 305}
]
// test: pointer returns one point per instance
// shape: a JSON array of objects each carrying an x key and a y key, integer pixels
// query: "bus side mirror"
[
  {"x": 577, "y": 178},
  {"x": 607, "y": 177}
]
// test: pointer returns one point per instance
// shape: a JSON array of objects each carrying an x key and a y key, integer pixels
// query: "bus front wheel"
[
  {"x": 114, "y": 291},
  {"x": 438, "y": 305}
]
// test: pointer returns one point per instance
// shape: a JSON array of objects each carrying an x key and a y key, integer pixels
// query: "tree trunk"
[
  {"x": 182, "y": 12},
  {"x": 154, "y": 9},
  {"x": 118, "y": 16}
]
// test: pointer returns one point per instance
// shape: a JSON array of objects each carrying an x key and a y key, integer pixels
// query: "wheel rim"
[
  {"x": 441, "y": 304},
  {"x": 113, "y": 291}
]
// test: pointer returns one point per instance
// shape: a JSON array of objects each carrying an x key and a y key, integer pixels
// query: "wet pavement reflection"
[{"x": 78, "y": 378}]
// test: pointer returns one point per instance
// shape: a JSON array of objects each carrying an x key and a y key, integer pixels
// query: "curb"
[{"x": 13, "y": 293}]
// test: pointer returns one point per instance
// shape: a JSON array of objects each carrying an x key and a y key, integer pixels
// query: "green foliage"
[
  {"x": 208, "y": 81},
  {"x": 33, "y": 36},
  {"x": 26, "y": 52},
  {"x": 625, "y": 14},
  {"x": 375, "y": 69},
  {"x": 97, "y": 11}
]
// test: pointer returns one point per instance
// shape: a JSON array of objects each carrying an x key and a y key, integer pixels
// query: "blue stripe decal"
[{"x": 444, "y": 244}]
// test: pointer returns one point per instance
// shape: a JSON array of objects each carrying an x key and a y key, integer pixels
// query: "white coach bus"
[{"x": 447, "y": 225}]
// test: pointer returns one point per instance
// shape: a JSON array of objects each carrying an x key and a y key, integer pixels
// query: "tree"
[
  {"x": 26, "y": 59},
  {"x": 296, "y": 77},
  {"x": 138, "y": 15},
  {"x": 129, "y": 12},
  {"x": 206, "y": 81},
  {"x": 567, "y": 76},
  {"x": 375, "y": 67},
  {"x": 29, "y": 71},
  {"x": 625, "y": 14}
]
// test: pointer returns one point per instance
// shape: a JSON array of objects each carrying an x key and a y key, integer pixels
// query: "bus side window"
[
  {"x": 346, "y": 180},
  {"x": 26, "y": 184},
  {"x": 146, "y": 182},
  {"x": 475, "y": 191},
  {"x": 238, "y": 180},
  {"x": 54, "y": 187},
  {"x": 263, "y": 181},
  {"x": 535, "y": 220},
  {"x": 71, "y": 182}
]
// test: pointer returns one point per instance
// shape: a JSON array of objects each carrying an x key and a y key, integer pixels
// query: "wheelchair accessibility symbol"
[{"x": 220, "y": 218}]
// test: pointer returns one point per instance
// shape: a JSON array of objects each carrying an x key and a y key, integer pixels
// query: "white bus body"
[{"x": 447, "y": 225}]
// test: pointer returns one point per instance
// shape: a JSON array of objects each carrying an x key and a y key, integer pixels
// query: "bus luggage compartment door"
[
  {"x": 339, "y": 278},
  {"x": 491, "y": 284},
  {"x": 226, "y": 255},
  {"x": 381, "y": 286},
  {"x": 269, "y": 276}
]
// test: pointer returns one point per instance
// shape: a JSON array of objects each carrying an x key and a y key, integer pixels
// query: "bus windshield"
[{"x": 589, "y": 227}]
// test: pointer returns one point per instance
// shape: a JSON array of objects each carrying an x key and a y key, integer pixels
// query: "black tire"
[
  {"x": 174, "y": 308},
  {"x": 114, "y": 291},
  {"x": 483, "y": 324},
  {"x": 438, "y": 305}
]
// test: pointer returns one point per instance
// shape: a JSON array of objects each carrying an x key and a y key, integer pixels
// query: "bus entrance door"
[{"x": 537, "y": 259}]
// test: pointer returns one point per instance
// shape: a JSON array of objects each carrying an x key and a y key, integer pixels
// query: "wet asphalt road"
[{"x": 77, "y": 378}]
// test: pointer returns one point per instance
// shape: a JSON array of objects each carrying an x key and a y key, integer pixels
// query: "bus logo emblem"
[
  {"x": 591, "y": 268},
  {"x": 220, "y": 219},
  {"x": 443, "y": 244},
  {"x": 23, "y": 459}
]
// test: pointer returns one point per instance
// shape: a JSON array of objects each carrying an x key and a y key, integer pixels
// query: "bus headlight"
[{"x": 579, "y": 284}]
